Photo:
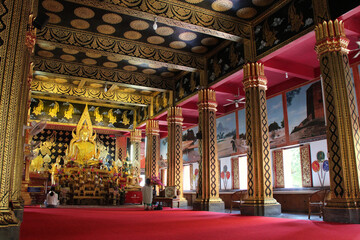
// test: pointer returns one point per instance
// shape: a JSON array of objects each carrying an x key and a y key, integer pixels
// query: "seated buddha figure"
[
  {"x": 132, "y": 181},
  {"x": 83, "y": 150}
]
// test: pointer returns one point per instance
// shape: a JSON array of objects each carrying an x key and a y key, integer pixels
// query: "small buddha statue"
[{"x": 132, "y": 181}]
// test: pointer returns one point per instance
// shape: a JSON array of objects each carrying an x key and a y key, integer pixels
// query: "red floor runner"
[{"x": 169, "y": 224}]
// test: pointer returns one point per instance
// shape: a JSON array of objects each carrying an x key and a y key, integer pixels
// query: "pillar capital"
[
  {"x": 330, "y": 37},
  {"x": 175, "y": 115},
  {"x": 254, "y": 76},
  {"x": 152, "y": 127},
  {"x": 207, "y": 99},
  {"x": 135, "y": 136}
]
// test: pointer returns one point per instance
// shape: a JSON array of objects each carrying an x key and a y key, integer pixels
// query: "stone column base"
[
  {"x": 182, "y": 203},
  {"x": 212, "y": 206},
  {"x": 342, "y": 215},
  {"x": 19, "y": 214},
  {"x": 10, "y": 232},
  {"x": 260, "y": 210}
]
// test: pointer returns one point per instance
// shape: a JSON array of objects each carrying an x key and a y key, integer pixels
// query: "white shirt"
[{"x": 52, "y": 200}]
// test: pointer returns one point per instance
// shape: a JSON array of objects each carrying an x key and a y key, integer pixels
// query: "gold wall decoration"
[
  {"x": 125, "y": 119},
  {"x": 98, "y": 73},
  {"x": 269, "y": 35},
  {"x": 110, "y": 46},
  {"x": 112, "y": 118},
  {"x": 198, "y": 20},
  {"x": 296, "y": 20},
  {"x": 98, "y": 116},
  {"x": 37, "y": 110},
  {"x": 54, "y": 110},
  {"x": 68, "y": 114},
  {"x": 70, "y": 90}
]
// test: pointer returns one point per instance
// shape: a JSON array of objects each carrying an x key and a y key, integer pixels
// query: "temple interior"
[{"x": 243, "y": 107}]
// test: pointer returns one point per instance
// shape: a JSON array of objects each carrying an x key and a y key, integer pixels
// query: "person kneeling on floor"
[
  {"x": 147, "y": 193},
  {"x": 52, "y": 199}
]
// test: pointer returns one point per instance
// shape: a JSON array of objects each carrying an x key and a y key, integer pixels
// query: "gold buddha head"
[{"x": 84, "y": 134}]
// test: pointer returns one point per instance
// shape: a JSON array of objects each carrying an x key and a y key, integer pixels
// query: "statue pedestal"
[
  {"x": 180, "y": 203},
  {"x": 260, "y": 209},
  {"x": 342, "y": 215},
  {"x": 25, "y": 194}
]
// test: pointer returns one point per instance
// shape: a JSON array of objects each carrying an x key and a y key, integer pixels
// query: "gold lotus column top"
[
  {"x": 152, "y": 127},
  {"x": 175, "y": 115},
  {"x": 254, "y": 75},
  {"x": 330, "y": 37},
  {"x": 207, "y": 99},
  {"x": 135, "y": 136}
]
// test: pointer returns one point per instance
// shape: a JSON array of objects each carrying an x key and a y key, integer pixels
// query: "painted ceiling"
[{"x": 143, "y": 48}]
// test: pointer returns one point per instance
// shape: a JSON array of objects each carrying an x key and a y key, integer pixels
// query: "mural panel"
[
  {"x": 163, "y": 152},
  {"x": 306, "y": 113},
  {"x": 191, "y": 145},
  {"x": 276, "y": 121},
  {"x": 70, "y": 113},
  {"x": 241, "y": 142},
  {"x": 161, "y": 102},
  {"x": 226, "y": 135}
]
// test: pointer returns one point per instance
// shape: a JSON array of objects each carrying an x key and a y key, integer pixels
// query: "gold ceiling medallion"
[
  {"x": 115, "y": 58},
  {"x": 80, "y": 24},
  {"x": 46, "y": 46},
  {"x": 187, "y": 36},
  {"x": 210, "y": 41},
  {"x": 199, "y": 49},
  {"x": 164, "y": 31},
  {"x": 139, "y": 25},
  {"x": 68, "y": 58},
  {"x": 53, "y": 18},
  {"x": 46, "y": 54},
  {"x": 105, "y": 29},
  {"x": 112, "y": 18},
  {"x": 132, "y": 35},
  {"x": 70, "y": 51},
  {"x": 110, "y": 64},
  {"x": 246, "y": 12},
  {"x": 53, "y": 6},
  {"x": 84, "y": 12},
  {"x": 194, "y": 1},
  {"x": 149, "y": 71},
  {"x": 130, "y": 68},
  {"x": 222, "y": 5},
  {"x": 155, "y": 40},
  {"x": 177, "y": 44},
  {"x": 167, "y": 74},
  {"x": 93, "y": 55},
  {"x": 89, "y": 61}
]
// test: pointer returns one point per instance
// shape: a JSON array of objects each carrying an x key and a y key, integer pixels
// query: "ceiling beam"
[
  {"x": 82, "y": 83},
  {"x": 190, "y": 17},
  {"x": 112, "y": 88},
  {"x": 292, "y": 68},
  {"x": 84, "y": 41},
  {"x": 89, "y": 93},
  {"x": 96, "y": 73}
]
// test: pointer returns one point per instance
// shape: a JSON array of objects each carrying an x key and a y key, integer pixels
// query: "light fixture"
[
  {"x": 286, "y": 75},
  {"x": 155, "y": 26},
  {"x": 236, "y": 105},
  {"x": 105, "y": 89}
]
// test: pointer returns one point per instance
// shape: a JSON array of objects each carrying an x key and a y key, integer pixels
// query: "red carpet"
[{"x": 137, "y": 224}]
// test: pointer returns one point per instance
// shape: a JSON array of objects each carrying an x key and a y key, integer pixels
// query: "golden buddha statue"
[
  {"x": 132, "y": 181},
  {"x": 82, "y": 148}
]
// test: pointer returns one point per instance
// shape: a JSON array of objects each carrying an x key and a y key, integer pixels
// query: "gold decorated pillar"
[
  {"x": 175, "y": 155},
  {"x": 342, "y": 130},
  {"x": 260, "y": 201},
  {"x": 152, "y": 149},
  {"x": 209, "y": 185},
  {"x": 135, "y": 140},
  {"x": 14, "y": 59}
]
